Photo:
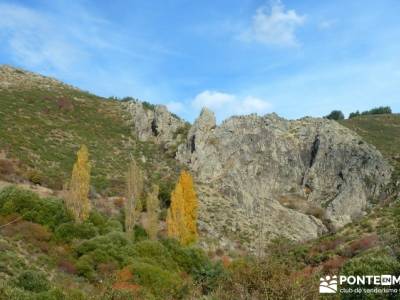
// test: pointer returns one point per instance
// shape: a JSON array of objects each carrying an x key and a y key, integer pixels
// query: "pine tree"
[
  {"x": 134, "y": 184},
  {"x": 182, "y": 214},
  {"x": 77, "y": 200},
  {"x": 153, "y": 211}
]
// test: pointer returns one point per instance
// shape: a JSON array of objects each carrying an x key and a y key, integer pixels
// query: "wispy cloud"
[
  {"x": 35, "y": 39},
  {"x": 70, "y": 41},
  {"x": 274, "y": 25},
  {"x": 225, "y": 104}
]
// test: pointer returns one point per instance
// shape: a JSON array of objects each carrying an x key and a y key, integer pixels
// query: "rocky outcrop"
[
  {"x": 155, "y": 123},
  {"x": 261, "y": 177}
]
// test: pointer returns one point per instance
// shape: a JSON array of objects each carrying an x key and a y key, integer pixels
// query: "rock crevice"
[{"x": 249, "y": 162}]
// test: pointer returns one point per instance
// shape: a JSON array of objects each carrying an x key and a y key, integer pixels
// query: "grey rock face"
[
  {"x": 296, "y": 178},
  {"x": 155, "y": 123}
]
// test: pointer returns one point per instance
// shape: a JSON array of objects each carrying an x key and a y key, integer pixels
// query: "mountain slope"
[
  {"x": 44, "y": 122},
  {"x": 312, "y": 172},
  {"x": 382, "y": 131}
]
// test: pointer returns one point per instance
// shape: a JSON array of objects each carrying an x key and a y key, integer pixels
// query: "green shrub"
[
  {"x": 154, "y": 252},
  {"x": 372, "y": 263},
  {"x": 97, "y": 219},
  {"x": 68, "y": 231},
  {"x": 45, "y": 211},
  {"x": 85, "y": 267},
  {"x": 104, "y": 224},
  {"x": 378, "y": 111},
  {"x": 263, "y": 278},
  {"x": 335, "y": 115},
  {"x": 118, "y": 294},
  {"x": 139, "y": 234},
  {"x": 108, "y": 242},
  {"x": 354, "y": 114},
  {"x": 164, "y": 194},
  {"x": 11, "y": 291},
  {"x": 14, "y": 293},
  {"x": 32, "y": 281},
  {"x": 196, "y": 263},
  {"x": 35, "y": 177},
  {"x": 148, "y": 106},
  {"x": 112, "y": 225},
  {"x": 100, "y": 250},
  {"x": 162, "y": 283},
  {"x": 95, "y": 225}
]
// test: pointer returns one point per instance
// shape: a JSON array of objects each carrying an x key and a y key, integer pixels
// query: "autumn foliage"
[
  {"x": 77, "y": 200},
  {"x": 182, "y": 214}
]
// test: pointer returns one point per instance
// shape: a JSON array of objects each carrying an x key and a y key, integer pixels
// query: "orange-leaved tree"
[
  {"x": 77, "y": 200},
  {"x": 182, "y": 214}
]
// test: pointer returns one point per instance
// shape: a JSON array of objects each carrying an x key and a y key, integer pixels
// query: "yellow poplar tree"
[
  {"x": 153, "y": 211},
  {"x": 182, "y": 214},
  {"x": 77, "y": 200},
  {"x": 134, "y": 190}
]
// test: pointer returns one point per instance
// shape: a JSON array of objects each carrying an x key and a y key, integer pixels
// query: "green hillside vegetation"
[
  {"x": 382, "y": 110},
  {"x": 45, "y": 255},
  {"x": 382, "y": 131},
  {"x": 42, "y": 127}
]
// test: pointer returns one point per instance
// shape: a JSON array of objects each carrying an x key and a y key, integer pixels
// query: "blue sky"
[{"x": 294, "y": 58}]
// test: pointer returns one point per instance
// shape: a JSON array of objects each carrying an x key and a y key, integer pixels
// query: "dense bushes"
[
  {"x": 33, "y": 281},
  {"x": 162, "y": 283},
  {"x": 49, "y": 211},
  {"x": 164, "y": 267},
  {"x": 153, "y": 252},
  {"x": 31, "y": 285},
  {"x": 338, "y": 115},
  {"x": 375, "y": 262},
  {"x": 335, "y": 115},
  {"x": 98, "y": 249},
  {"x": 68, "y": 231},
  {"x": 111, "y": 248},
  {"x": 196, "y": 263},
  {"x": 374, "y": 111},
  {"x": 265, "y": 278}
]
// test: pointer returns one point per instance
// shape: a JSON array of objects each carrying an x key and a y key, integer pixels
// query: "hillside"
[
  {"x": 281, "y": 202},
  {"x": 382, "y": 131},
  {"x": 44, "y": 122}
]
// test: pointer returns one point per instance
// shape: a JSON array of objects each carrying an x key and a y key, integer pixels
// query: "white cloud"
[
  {"x": 225, "y": 105},
  {"x": 252, "y": 104},
  {"x": 274, "y": 25},
  {"x": 213, "y": 100},
  {"x": 175, "y": 107},
  {"x": 35, "y": 40}
]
